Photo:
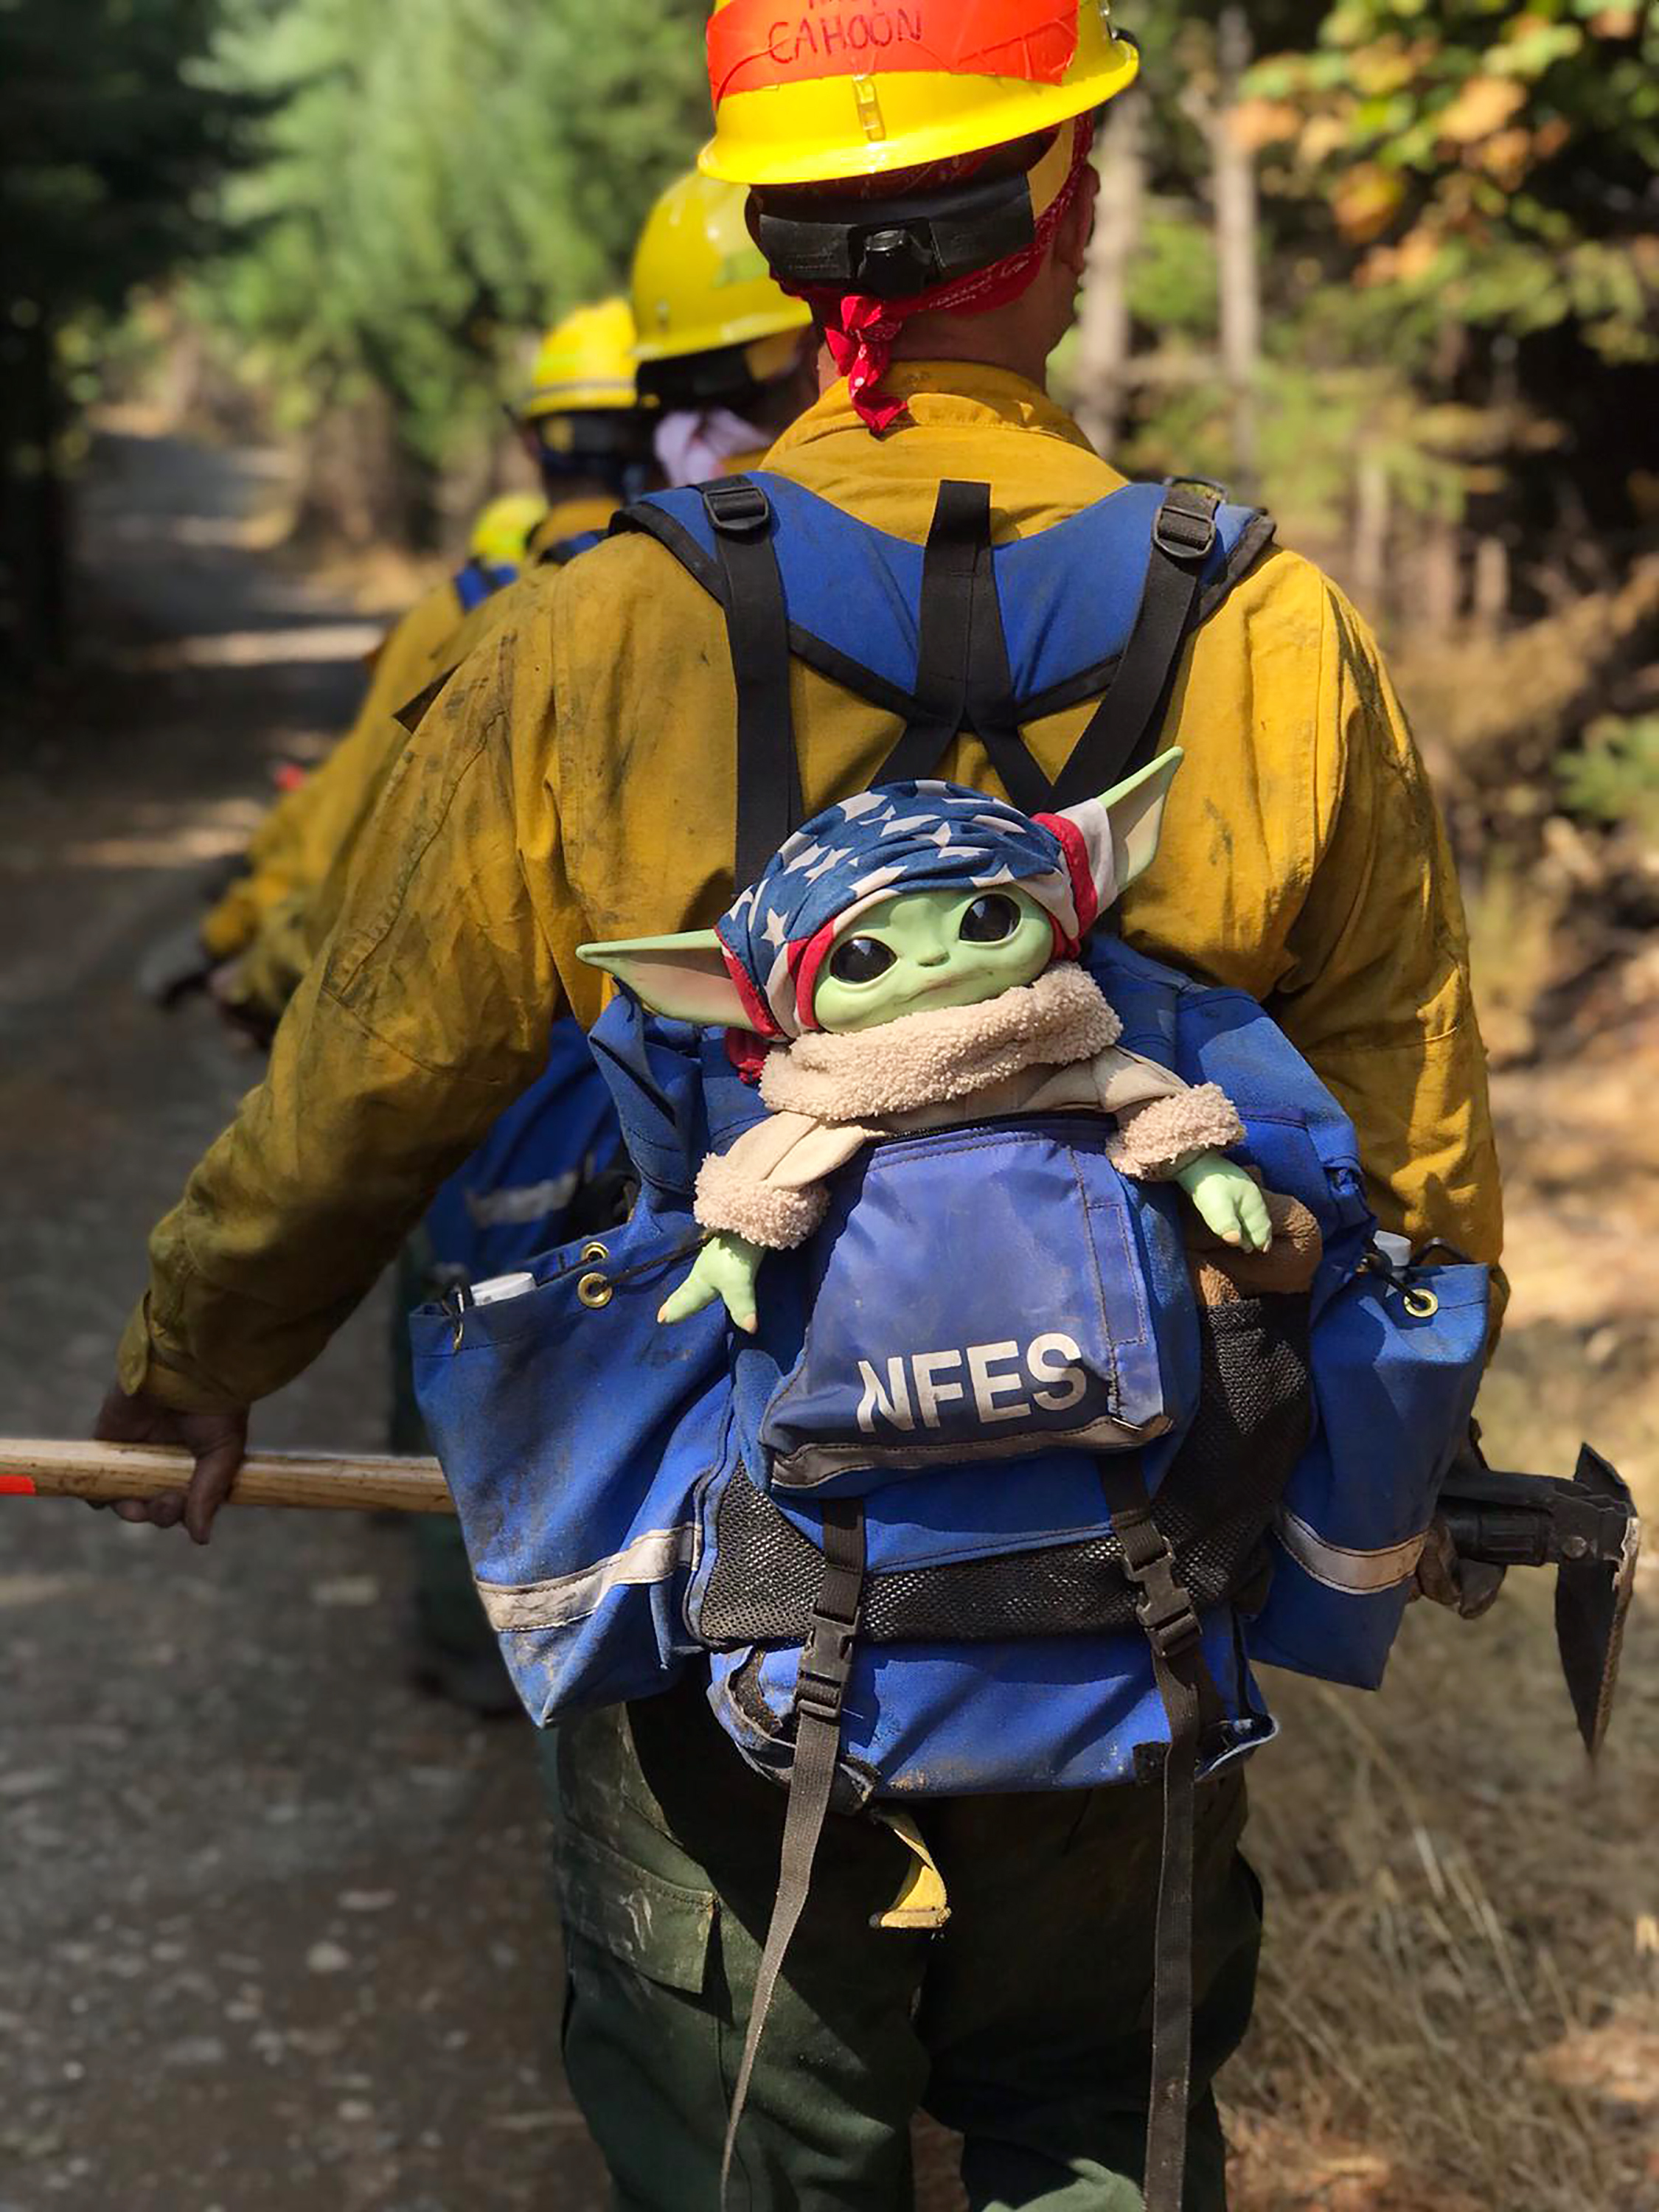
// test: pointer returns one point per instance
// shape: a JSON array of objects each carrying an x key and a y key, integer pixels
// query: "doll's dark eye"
[
  {"x": 989, "y": 921},
  {"x": 859, "y": 960}
]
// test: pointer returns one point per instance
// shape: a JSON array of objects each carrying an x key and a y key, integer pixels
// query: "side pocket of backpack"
[
  {"x": 1395, "y": 1367},
  {"x": 573, "y": 1432}
]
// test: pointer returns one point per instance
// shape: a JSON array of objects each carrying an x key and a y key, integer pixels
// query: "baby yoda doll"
[{"x": 909, "y": 961}]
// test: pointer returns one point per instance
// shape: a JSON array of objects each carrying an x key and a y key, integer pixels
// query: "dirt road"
[{"x": 271, "y": 1923}]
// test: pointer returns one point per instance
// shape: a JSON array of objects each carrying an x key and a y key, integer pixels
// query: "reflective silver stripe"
[
  {"x": 517, "y": 1203},
  {"x": 553, "y": 1604},
  {"x": 1341, "y": 1569}
]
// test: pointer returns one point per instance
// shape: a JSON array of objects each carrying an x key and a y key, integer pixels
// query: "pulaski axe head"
[
  {"x": 1592, "y": 1598},
  {"x": 1587, "y": 1529}
]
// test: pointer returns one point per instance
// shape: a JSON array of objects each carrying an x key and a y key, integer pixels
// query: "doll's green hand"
[
  {"x": 1228, "y": 1200},
  {"x": 725, "y": 1268}
]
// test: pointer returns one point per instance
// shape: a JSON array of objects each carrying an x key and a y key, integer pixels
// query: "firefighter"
[{"x": 578, "y": 781}]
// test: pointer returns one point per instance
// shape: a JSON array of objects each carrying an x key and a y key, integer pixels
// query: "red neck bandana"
[{"x": 861, "y": 330}]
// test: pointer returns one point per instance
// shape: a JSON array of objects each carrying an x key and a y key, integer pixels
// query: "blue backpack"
[
  {"x": 893, "y": 1624},
  {"x": 555, "y": 1147},
  {"x": 477, "y": 581}
]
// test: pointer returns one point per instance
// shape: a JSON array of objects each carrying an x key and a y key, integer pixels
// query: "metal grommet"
[
  {"x": 1420, "y": 1304},
  {"x": 595, "y": 1251},
  {"x": 594, "y": 1291}
]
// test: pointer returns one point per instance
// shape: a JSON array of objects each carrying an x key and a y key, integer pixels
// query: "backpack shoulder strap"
[
  {"x": 769, "y": 802},
  {"x": 850, "y": 590},
  {"x": 474, "y": 581},
  {"x": 962, "y": 678},
  {"x": 723, "y": 534},
  {"x": 565, "y": 550},
  {"x": 1123, "y": 730}
]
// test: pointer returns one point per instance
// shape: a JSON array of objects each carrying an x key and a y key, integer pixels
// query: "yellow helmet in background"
[
  {"x": 701, "y": 286},
  {"x": 874, "y": 85},
  {"x": 503, "y": 527},
  {"x": 585, "y": 363}
]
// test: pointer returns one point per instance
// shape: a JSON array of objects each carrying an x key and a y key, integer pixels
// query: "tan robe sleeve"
[
  {"x": 770, "y": 1186},
  {"x": 1163, "y": 1123}
]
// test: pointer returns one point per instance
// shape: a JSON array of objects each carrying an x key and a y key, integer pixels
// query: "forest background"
[{"x": 1390, "y": 266}]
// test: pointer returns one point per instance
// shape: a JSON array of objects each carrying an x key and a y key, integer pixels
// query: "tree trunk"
[
  {"x": 1370, "y": 558},
  {"x": 1233, "y": 171},
  {"x": 1439, "y": 567},
  {"x": 34, "y": 528},
  {"x": 1105, "y": 335},
  {"x": 1490, "y": 594},
  {"x": 361, "y": 486}
]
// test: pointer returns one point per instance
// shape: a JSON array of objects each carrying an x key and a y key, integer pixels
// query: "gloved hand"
[
  {"x": 250, "y": 1023},
  {"x": 216, "y": 1441},
  {"x": 1468, "y": 1587}
]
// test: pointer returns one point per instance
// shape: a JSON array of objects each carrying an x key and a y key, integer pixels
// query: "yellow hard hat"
[
  {"x": 503, "y": 527},
  {"x": 586, "y": 362},
  {"x": 866, "y": 86},
  {"x": 700, "y": 283}
]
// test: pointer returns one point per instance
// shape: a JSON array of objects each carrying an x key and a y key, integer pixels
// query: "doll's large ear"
[
  {"x": 1120, "y": 829},
  {"x": 684, "y": 977}
]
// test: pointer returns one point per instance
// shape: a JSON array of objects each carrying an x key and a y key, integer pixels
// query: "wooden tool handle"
[{"x": 36, "y": 1466}]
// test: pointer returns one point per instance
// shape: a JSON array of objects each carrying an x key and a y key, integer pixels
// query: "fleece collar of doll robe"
[
  {"x": 1045, "y": 1047},
  {"x": 881, "y": 844}
]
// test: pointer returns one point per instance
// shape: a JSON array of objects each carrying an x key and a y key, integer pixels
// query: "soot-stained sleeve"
[
  {"x": 1377, "y": 993},
  {"x": 425, "y": 1016}
]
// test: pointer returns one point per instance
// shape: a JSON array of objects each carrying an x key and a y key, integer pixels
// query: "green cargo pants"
[{"x": 1025, "y": 2025}]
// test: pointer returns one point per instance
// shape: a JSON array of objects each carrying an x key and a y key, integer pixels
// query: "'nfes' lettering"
[
  {"x": 1005, "y": 1382},
  {"x": 840, "y": 31}
]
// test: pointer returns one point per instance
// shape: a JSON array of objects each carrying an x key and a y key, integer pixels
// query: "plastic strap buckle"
[
  {"x": 826, "y": 1660},
  {"x": 737, "y": 510},
  {"x": 1166, "y": 1616},
  {"x": 1185, "y": 525},
  {"x": 1162, "y": 1606}
]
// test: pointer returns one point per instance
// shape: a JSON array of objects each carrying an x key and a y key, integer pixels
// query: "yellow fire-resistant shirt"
[
  {"x": 291, "y": 931},
  {"x": 575, "y": 780},
  {"x": 294, "y": 848}
]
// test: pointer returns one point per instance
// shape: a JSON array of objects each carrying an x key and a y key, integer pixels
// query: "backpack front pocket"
[{"x": 983, "y": 1293}]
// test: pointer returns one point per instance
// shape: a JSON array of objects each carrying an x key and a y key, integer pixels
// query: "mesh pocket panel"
[
  {"x": 765, "y": 1574},
  {"x": 1214, "y": 1505}
]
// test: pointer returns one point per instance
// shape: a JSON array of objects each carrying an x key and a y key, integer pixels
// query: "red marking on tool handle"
[{"x": 16, "y": 1486}]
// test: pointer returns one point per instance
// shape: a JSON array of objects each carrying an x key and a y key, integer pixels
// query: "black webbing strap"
[
  {"x": 992, "y": 713},
  {"x": 758, "y": 631},
  {"x": 826, "y": 1662},
  {"x": 1123, "y": 729},
  {"x": 960, "y": 529},
  {"x": 961, "y": 657},
  {"x": 1173, "y": 1630}
]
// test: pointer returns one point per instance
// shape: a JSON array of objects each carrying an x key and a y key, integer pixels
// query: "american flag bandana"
[{"x": 881, "y": 844}]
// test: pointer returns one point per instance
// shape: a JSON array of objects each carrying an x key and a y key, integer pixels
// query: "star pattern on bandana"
[{"x": 896, "y": 839}]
